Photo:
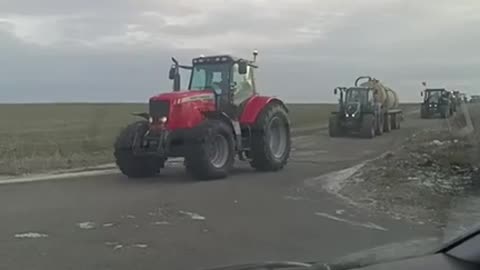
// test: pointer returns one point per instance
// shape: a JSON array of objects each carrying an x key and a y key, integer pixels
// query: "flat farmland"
[{"x": 44, "y": 137}]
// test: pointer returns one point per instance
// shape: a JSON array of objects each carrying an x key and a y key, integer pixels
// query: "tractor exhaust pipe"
[{"x": 174, "y": 74}]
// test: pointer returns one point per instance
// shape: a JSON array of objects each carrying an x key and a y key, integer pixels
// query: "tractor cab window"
[
  {"x": 242, "y": 85},
  {"x": 433, "y": 96},
  {"x": 198, "y": 79},
  {"x": 357, "y": 95},
  {"x": 210, "y": 76}
]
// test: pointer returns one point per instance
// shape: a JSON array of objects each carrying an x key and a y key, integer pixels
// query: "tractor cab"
[
  {"x": 437, "y": 101},
  {"x": 231, "y": 79},
  {"x": 218, "y": 117},
  {"x": 435, "y": 96},
  {"x": 358, "y": 94},
  {"x": 354, "y": 100}
]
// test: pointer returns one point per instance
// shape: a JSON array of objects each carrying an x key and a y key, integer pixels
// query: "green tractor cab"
[{"x": 437, "y": 102}]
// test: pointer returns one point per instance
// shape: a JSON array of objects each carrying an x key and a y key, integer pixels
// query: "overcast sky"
[{"x": 119, "y": 50}]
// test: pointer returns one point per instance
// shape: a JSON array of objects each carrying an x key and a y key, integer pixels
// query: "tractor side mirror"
[
  {"x": 171, "y": 73},
  {"x": 242, "y": 67},
  {"x": 421, "y": 94},
  {"x": 335, "y": 91}
]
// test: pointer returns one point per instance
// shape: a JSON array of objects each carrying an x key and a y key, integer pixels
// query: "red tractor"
[{"x": 221, "y": 115}]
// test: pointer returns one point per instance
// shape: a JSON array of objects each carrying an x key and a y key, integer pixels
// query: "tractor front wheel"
[
  {"x": 367, "y": 130},
  {"x": 334, "y": 126},
  {"x": 211, "y": 152},
  {"x": 271, "y": 140},
  {"x": 132, "y": 165},
  {"x": 423, "y": 112}
]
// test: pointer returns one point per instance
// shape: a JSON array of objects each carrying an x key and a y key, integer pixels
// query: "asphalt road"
[{"x": 173, "y": 222}]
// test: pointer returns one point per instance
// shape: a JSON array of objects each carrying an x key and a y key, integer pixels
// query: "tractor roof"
[
  {"x": 359, "y": 88},
  {"x": 435, "y": 89},
  {"x": 213, "y": 59}
]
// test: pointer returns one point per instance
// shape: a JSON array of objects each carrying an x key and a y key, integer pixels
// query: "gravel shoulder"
[{"x": 431, "y": 179}]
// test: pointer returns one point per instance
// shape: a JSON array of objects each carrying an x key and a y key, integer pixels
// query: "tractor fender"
[
  {"x": 254, "y": 107},
  {"x": 234, "y": 125}
]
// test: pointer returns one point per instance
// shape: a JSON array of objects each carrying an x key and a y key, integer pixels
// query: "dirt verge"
[{"x": 435, "y": 171}]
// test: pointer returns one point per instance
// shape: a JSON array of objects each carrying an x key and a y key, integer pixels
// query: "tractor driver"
[
  {"x": 222, "y": 84},
  {"x": 221, "y": 87}
]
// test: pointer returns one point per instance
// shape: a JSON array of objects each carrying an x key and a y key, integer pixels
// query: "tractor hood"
[
  {"x": 184, "y": 96},
  {"x": 182, "y": 109}
]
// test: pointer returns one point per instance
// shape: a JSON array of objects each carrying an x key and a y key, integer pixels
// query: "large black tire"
[
  {"x": 387, "y": 124},
  {"x": 132, "y": 165},
  {"x": 423, "y": 112},
  {"x": 367, "y": 130},
  {"x": 334, "y": 129},
  {"x": 379, "y": 125},
  {"x": 211, "y": 152},
  {"x": 271, "y": 124},
  {"x": 395, "y": 124}
]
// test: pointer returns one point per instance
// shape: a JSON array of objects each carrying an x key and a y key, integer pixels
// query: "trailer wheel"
[
  {"x": 211, "y": 151},
  {"x": 271, "y": 140},
  {"x": 395, "y": 121},
  {"x": 132, "y": 165},
  {"x": 334, "y": 126},
  {"x": 379, "y": 126},
  {"x": 367, "y": 130},
  {"x": 387, "y": 124}
]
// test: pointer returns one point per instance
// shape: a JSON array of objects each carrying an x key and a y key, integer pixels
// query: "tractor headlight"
[
  {"x": 150, "y": 120},
  {"x": 163, "y": 119}
]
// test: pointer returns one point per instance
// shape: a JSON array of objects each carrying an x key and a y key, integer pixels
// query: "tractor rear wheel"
[
  {"x": 367, "y": 130},
  {"x": 271, "y": 140},
  {"x": 334, "y": 126},
  {"x": 132, "y": 165},
  {"x": 211, "y": 152}
]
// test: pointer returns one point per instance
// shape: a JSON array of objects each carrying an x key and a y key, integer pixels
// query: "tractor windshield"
[
  {"x": 356, "y": 95},
  {"x": 433, "y": 96},
  {"x": 210, "y": 76}
]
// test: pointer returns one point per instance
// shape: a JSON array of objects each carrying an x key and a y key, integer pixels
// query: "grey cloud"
[
  {"x": 401, "y": 42},
  {"x": 55, "y": 7}
]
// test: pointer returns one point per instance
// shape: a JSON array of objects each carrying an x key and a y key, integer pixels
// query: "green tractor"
[
  {"x": 437, "y": 101},
  {"x": 367, "y": 109}
]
